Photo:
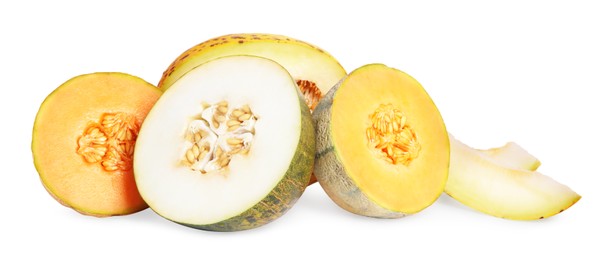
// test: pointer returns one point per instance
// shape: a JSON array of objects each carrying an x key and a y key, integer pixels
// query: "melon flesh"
[
  {"x": 253, "y": 189},
  {"x": 487, "y": 186},
  {"x": 97, "y": 187},
  {"x": 512, "y": 155},
  {"x": 314, "y": 70},
  {"x": 356, "y": 175}
]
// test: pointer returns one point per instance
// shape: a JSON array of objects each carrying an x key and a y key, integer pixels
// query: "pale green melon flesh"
[
  {"x": 512, "y": 155},
  {"x": 484, "y": 185}
]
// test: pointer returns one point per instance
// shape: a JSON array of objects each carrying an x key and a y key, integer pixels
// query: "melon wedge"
[
  {"x": 83, "y": 140},
  {"x": 229, "y": 146},
  {"x": 512, "y": 155},
  {"x": 487, "y": 186},
  {"x": 382, "y": 148}
]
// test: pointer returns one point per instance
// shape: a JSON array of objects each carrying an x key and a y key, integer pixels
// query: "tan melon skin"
[{"x": 331, "y": 174}]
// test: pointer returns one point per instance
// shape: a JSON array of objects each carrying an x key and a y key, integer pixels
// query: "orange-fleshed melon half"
[
  {"x": 382, "y": 148},
  {"x": 83, "y": 142}
]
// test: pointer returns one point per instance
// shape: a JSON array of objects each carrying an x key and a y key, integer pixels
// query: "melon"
[
  {"x": 229, "y": 146},
  {"x": 492, "y": 187},
  {"x": 83, "y": 142},
  {"x": 382, "y": 148},
  {"x": 511, "y": 155},
  {"x": 314, "y": 70}
]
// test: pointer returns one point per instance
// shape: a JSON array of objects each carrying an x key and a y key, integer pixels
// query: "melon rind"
[
  {"x": 301, "y": 59},
  {"x": 330, "y": 172}
]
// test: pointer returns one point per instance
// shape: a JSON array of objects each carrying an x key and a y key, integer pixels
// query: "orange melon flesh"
[
  {"x": 62, "y": 119},
  {"x": 396, "y": 187}
]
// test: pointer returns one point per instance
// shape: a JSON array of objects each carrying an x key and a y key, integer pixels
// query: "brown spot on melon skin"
[{"x": 237, "y": 39}]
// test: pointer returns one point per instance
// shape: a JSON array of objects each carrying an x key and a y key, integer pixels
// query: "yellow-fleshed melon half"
[{"x": 382, "y": 148}]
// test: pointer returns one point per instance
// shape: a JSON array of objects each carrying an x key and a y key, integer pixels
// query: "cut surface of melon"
[
  {"x": 314, "y": 70},
  {"x": 83, "y": 140},
  {"x": 512, "y": 155},
  {"x": 382, "y": 146},
  {"x": 255, "y": 185},
  {"x": 487, "y": 186}
]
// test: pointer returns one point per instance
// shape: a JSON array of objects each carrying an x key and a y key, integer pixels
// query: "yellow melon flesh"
[
  {"x": 105, "y": 185},
  {"x": 489, "y": 186},
  {"x": 348, "y": 163}
]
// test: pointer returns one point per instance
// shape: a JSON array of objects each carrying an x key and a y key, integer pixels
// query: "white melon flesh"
[
  {"x": 183, "y": 195},
  {"x": 485, "y": 185},
  {"x": 512, "y": 155}
]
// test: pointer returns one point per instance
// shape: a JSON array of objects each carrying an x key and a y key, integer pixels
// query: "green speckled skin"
[
  {"x": 287, "y": 191},
  {"x": 245, "y": 44}
]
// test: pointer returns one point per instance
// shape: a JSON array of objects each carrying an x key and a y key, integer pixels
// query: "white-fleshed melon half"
[{"x": 230, "y": 146}]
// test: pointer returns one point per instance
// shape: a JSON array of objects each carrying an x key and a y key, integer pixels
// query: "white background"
[{"x": 533, "y": 72}]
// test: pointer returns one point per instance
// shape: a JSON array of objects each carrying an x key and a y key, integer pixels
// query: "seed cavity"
[
  {"x": 216, "y": 135},
  {"x": 391, "y": 136},
  {"x": 110, "y": 141},
  {"x": 310, "y": 91}
]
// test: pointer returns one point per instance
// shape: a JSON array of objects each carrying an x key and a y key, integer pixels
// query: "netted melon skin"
[{"x": 330, "y": 172}]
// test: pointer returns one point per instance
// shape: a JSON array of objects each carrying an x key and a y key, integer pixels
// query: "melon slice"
[
  {"x": 83, "y": 141},
  {"x": 230, "y": 146},
  {"x": 487, "y": 186},
  {"x": 512, "y": 155},
  {"x": 382, "y": 148}
]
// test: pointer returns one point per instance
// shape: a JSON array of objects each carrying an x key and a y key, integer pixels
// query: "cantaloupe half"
[
  {"x": 229, "y": 146},
  {"x": 496, "y": 189},
  {"x": 382, "y": 148},
  {"x": 83, "y": 140}
]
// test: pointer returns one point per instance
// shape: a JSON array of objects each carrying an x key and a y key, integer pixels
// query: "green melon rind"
[
  {"x": 288, "y": 190},
  {"x": 330, "y": 172}
]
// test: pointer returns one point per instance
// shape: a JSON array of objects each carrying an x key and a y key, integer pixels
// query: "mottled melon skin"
[
  {"x": 233, "y": 44},
  {"x": 287, "y": 191},
  {"x": 331, "y": 174}
]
